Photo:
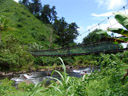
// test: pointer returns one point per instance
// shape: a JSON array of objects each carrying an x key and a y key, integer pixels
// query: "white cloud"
[
  {"x": 111, "y": 4},
  {"x": 16, "y": 0},
  {"x": 107, "y": 14},
  {"x": 102, "y": 15}
]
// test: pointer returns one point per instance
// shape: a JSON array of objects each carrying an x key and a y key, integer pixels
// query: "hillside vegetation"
[
  {"x": 26, "y": 33},
  {"x": 28, "y": 29}
]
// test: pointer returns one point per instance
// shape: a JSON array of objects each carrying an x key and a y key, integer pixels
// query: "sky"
[{"x": 87, "y": 13}]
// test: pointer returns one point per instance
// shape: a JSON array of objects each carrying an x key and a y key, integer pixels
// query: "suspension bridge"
[{"x": 85, "y": 49}]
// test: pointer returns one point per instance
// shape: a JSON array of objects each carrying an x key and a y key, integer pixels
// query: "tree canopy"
[
  {"x": 66, "y": 32},
  {"x": 94, "y": 37},
  {"x": 48, "y": 15}
]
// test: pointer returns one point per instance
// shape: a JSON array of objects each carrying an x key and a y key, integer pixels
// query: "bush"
[{"x": 13, "y": 57}]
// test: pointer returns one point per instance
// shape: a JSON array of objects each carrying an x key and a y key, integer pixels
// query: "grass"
[
  {"x": 28, "y": 29},
  {"x": 104, "y": 83},
  {"x": 30, "y": 33}
]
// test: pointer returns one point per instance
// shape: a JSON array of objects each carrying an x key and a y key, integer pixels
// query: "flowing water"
[{"x": 37, "y": 77}]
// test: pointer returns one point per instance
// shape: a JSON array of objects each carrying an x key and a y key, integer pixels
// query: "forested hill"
[
  {"x": 26, "y": 32},
  {"x": 26, "y": 27}
]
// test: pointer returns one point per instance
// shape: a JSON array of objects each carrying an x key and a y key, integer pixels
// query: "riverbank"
[{"x": 105, "y": 83}]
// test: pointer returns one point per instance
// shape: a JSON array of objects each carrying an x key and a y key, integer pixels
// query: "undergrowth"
[{"x": 106, "y": 82}]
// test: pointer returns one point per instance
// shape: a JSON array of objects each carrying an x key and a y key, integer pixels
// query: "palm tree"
[{"x": 3, "y": 26}]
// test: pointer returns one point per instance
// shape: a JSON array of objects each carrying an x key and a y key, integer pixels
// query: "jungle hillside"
[{"x": 28, "y": 26}]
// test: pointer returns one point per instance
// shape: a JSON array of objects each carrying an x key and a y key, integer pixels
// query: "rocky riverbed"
[{"x": 37, "y": 77}]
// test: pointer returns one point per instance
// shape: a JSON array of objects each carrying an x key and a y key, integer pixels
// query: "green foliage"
[
  {"x": 106, "y": 82},
  {"x": 64, "y": 82},
  {"x": 30, "y": 89},
  {"x": 28, "y": 29},
  {"x": 48, "y": 15},
  {"x": 95, "y": 37},
  {"x": 6, "y": 87},
  {"x": 35, "y": 6},
  {"x": 87, "y": 60},
  {"x": 3, "y": 23},
  {"x": 3, "y": 26},
  {"x": 119, "y": 31},
  {"x": 123, "y": 20},
  {"x": 13, "y": 56},
  {"x": 66, "y": 32}
]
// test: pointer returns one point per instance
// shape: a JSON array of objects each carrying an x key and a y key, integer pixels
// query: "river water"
[{"x": 37, "y": 77}]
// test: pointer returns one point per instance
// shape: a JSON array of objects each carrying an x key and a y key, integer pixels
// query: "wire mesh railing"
[{"x": 80, "y": 50}]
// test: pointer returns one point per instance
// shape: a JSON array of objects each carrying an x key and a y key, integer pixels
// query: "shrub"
[{"x": 13, "y": 57}]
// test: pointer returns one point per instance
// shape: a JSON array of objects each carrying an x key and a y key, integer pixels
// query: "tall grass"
[
  {"x": 64, "y": 82},
  {"x": 104, "y": 83}
]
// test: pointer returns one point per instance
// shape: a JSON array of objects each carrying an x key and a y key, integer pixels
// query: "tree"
[
  {"x": 48, "y": 15},
  {"x": 25, "y": 2},
  {"x": 94, "y": 37},
  {"x": 30, "y": 7},
  {"x": 3, "y": 26},
  {"x": 53, "y": 14},
  {"x": 66, "y": 32},
  {"x": 71, "y": 33},
  {"x": 45, "y": 14},
  {"x": 60, "y": 29},
  {"x": 35, "y": 6}
]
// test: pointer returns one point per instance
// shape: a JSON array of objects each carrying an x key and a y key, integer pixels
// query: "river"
[{"x": 37, "y": 77}]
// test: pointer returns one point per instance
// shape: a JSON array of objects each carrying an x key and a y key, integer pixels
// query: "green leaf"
[
  {"x": 119, "y": 31},
  {"x": 62, "y": 77},
  {"x": 123, "y": 39},
  {"x": 101, "y": 32},
  {"x": 122, "y": 19},
  {"x": 57, "y": 80},
  {"x": 57, "y": 89},
  {"x": 116, "y": 42}
]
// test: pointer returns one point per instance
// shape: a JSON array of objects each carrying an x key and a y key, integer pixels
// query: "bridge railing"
[{"x": 79, "y": 50}]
